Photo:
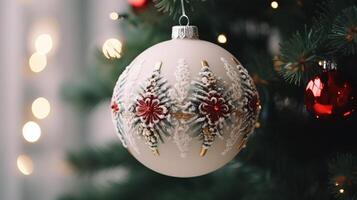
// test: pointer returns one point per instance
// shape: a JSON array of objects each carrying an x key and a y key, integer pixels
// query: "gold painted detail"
[
  {"x": 207, "y": 135},
  {"x": 203, "y": 151},
  {"x": 182, "y": 116},
  {"x": 156, "y": 152},
  {"x": 158, "y": 66},
  {"x": 204, "y": 63},
  {"x": 242, "y": 144}
]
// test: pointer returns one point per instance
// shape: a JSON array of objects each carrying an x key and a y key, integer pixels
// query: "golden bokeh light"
[
  {"x": 37, "y": 62},
  {"x": 41, "y": 108},
  {"x": 257, "y": 125},
  {"x": 25, "y": 164},
  {"x": 31, "y": 131},
  {"x": 274, "y": 4},
  {"x": 43, "y": 43},
  {"x": 222, "y": 38},
  {"x": 113, "y": 15},
  {"x": 112, "y": 48}
]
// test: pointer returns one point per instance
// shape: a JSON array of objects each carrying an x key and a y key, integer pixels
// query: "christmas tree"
[{"x": 293, "y": 154}]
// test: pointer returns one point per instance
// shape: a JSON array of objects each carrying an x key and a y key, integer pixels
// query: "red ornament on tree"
[
  {"x": 137, "y": 3},
  {"x": 329, "y": 95}
]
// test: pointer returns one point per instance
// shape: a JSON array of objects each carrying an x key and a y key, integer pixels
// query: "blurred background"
[
  {"x": 44, "y": 44},
  {"x": 60, "y": 60}
]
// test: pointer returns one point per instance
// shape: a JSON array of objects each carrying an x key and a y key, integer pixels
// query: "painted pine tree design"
[
  {"x": 250, "y": 101},
  {"x": 179, "y": 94},
  {"x": 235, "y": 91},
  {"x": 212, "y": 106},
  {"x": 152, "y": 110},
  {"x": 117, "y": 105}
]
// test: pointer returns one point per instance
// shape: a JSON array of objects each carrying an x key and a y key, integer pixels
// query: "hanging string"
[
  {"x": 183, "y": 16},
  {"x": 183, "y": 8}
]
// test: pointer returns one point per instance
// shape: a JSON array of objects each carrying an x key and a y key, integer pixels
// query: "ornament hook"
[{"x": 183, "y": 16}]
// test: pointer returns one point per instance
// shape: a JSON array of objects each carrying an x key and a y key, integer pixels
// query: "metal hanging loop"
[{"x": 183, "y": 16}]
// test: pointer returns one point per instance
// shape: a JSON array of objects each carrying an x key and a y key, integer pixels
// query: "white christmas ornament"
[{"x": 184, "y": 107}]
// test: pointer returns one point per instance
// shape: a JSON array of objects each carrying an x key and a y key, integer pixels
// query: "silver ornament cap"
[
  {"x": 184, "y": 32},
  {"x": 328, "y": 65}
]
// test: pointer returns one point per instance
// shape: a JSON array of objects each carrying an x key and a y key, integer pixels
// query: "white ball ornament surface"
[{"x": 184, "y": 107}]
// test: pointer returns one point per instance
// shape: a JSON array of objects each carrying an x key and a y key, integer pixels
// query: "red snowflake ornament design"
[
  {"x": 214, "y": 107},
  {"x": 114, "y": 107},
  {"x": 254, "y": 104},
  {"x": 150, "y": 110}
]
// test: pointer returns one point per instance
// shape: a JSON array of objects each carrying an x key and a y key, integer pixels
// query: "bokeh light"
[
  {"x": 31, "y": 131},
  {"x": 37, "y": 62},
  {"x": 25, "y": 164},
  {"x": 274, "y": 4},
  {"x": 114, "y": 16},
  {"x": 43, "y": 43},
  {"x": 43, "y": 35},
  {"x": 41, "y": 108},
  {"x": 222, "y": 38},
  {"x": 112, "y": 48}
]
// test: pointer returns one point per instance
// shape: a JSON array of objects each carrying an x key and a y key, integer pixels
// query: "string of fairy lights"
[{"x": 40, "y": 107}]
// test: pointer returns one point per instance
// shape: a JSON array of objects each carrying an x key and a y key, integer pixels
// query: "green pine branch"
[
  {"x": 90, "y": 160},
  {"x": 173, "y": 7},
  {"x": 299, "y": 57},
  {"x": 260, "y": 68},
  {"x": 251, "y": 183},
  {"x": 332, "y": 35},
  {"x": 328, "y": 11},
  {"x": 343, "y": 36}
]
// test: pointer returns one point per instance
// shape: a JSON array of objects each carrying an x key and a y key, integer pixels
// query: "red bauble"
[
  {"x": 329, "y": 95},
  {"x": 137, "y": 3}
]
